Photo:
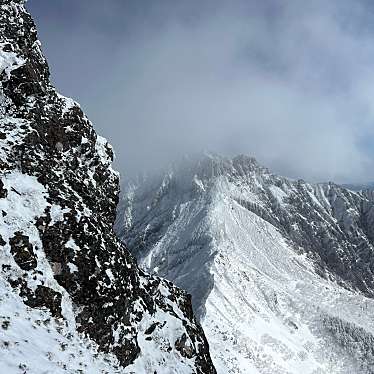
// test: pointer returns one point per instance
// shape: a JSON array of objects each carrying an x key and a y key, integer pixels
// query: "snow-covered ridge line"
[
  {"x": 60, "y": 258},
  {"x": 280, "y": 271}
]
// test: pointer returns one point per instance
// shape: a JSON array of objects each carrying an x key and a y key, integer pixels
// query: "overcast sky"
[{"x": 289, "y": 82}]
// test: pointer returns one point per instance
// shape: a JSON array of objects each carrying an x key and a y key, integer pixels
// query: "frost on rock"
[
  {"x": 280, "y": 271},
  {"x": 60, "y": 259}
]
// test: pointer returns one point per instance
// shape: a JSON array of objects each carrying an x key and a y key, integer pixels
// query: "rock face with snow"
[
  {"x": 281, "y": 271},
  {"x": 59, "y": 255}
]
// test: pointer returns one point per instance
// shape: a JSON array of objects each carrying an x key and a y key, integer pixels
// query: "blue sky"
[{"x": 288, "y": 82}]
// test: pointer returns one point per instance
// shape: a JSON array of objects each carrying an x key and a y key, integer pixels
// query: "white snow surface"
[
  {"x": 9, "y": 61},
  {"x": 31, "y": 341},
  {"x": 267, "y": 307},
  {"x": 263, "y": 307}
]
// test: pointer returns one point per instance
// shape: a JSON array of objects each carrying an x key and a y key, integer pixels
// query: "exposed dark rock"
[
  {"x": 44, "y": 297},
  {"x": 3, "y": 191},
  {"x": 48, "y": 137},
  {"x": 185, "y": 350},
  {"x": 152, "y": 328},
  {"x": 22, "y": 251}
]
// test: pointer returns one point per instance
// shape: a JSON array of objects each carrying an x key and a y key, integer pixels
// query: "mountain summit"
[
  {"x": 72, "y": 298},
  {"x": 280, "y": 271}
]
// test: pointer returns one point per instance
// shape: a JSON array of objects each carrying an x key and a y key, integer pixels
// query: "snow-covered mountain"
[
  {"x": 281, "y": 271},
  {"x": 72, "y": 298},
  {"x": 359, "y": 187}
]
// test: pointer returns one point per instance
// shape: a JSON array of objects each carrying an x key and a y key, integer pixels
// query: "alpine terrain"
[
  {"x": 72, "y": 298},
  {"x": 280, "y": 271}
]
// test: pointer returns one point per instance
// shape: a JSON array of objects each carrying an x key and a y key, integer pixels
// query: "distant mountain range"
[
  {"x": 280, "y": 271},
  {"x": 359, "y": 187}
]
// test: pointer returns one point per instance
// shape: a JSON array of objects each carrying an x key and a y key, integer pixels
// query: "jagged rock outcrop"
[
  {"x": 58, "y": 197},
  {"x": 280, "y": 271}
]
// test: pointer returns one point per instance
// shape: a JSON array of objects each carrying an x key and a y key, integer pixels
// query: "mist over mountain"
[
  {"x": 280, "y": 270},
  {"x": 359, "y": 187},
  {"x": 288, "y": 82}
]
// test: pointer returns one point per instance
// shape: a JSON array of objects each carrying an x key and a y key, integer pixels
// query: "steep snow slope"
[
  {"x": 280, "y": 271},
  {"x": 60, "y": 259}
]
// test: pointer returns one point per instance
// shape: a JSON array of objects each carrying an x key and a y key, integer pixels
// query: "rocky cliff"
[{"x": 58, "y": 252}]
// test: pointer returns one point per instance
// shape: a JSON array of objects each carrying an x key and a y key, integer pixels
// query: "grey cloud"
[{"x": 287, "y": 82}]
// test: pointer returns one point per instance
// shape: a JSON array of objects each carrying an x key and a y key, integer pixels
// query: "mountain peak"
[{"x": 262, "y": 256}]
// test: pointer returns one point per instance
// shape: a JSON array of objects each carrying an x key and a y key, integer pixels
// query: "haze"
[{"x": 288, "y": 82}]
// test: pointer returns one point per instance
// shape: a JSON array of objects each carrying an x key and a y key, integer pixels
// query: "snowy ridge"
[
  {"x": 280, "y": 271},
  {"x": 72, "y": 298}
]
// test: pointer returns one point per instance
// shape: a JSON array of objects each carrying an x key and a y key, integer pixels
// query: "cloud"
[{"x": 287, "y": 82}]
